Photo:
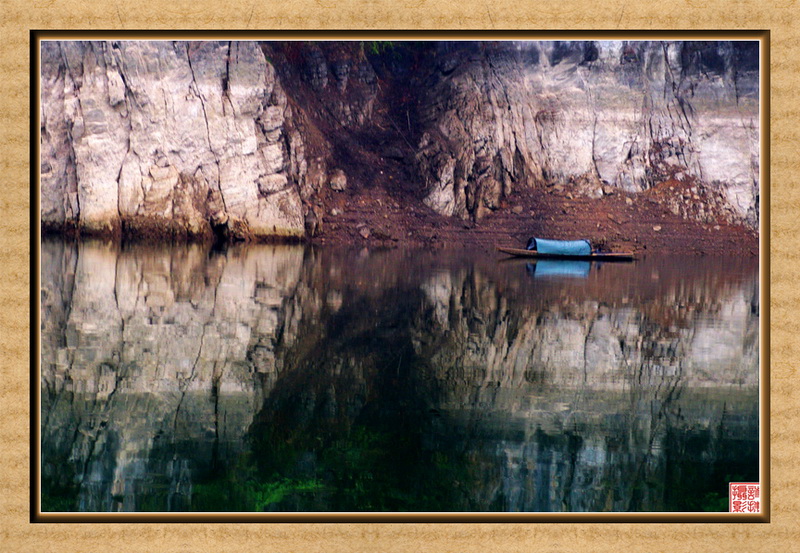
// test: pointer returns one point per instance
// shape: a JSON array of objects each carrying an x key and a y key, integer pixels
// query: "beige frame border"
[
  {"x": 778, "y": 16},
  {"x": 761, "y": 36}
]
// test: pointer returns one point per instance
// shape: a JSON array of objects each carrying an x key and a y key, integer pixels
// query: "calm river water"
[{"x": 284, "y": 378}]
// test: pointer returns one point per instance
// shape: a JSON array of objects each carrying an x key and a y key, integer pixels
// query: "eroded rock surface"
[
  {"x": 187, "y": 138},
  {"x": 241, "y": 139},
  {"x": 590, "y": 115}
]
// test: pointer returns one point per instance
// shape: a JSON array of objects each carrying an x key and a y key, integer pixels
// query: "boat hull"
[{"x": 516, "y": 252}]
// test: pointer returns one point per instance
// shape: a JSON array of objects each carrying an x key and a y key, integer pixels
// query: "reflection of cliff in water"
[
  {"x": 279, "y": 378},
  {"x": 595, "y": 401},
  {"x": 153, "y": 362}
]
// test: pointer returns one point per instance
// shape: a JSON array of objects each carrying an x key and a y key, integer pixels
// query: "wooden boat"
[{"x": 516, "y": 252}]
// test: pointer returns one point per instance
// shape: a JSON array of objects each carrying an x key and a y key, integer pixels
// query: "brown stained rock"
[
  {"x": 337, "y": 180},
  {"x": 577, "y": 127}
]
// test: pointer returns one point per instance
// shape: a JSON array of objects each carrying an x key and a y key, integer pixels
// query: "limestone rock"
[
  {"x": 337, "y": 180},
  {"x": 272, "y": 183},
  {"x": 501, "y": 117},
  {"x": 147, "y": 132},
  {"x": 489, "y": 119}
]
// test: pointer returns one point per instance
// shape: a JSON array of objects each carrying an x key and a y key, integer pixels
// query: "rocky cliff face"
[
  {"x": 247, "y": 139},
  {"x": 596, "y": 115},
  {"x": 190, "y": 137}
]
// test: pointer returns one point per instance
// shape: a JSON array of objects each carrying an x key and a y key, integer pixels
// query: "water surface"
[{"x": 283, "y": 378}]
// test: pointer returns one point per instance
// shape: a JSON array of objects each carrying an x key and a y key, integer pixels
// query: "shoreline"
[{"x": 375, "y": 217}]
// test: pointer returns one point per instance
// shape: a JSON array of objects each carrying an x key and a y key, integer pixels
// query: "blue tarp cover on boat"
[{"x": 560, "y": 247}]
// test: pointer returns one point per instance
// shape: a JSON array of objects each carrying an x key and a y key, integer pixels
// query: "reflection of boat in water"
[
  {"x": 540, "y": 248},
  {"x": 550, "y": 268}
]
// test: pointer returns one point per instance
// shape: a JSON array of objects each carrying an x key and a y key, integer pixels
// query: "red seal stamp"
[{"x": 744, "y": 497}]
